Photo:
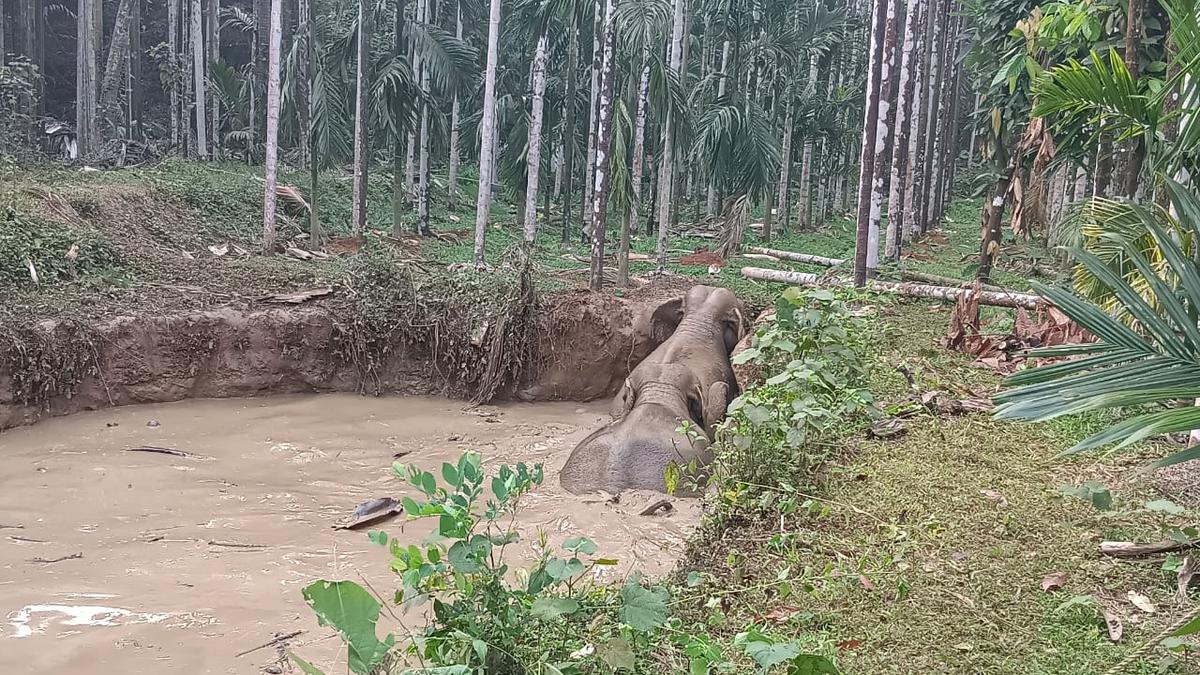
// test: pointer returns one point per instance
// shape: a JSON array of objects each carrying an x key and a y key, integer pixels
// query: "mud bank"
[
  {"x": 584, "y": 346},
  {"x": 185, "y": 562}
]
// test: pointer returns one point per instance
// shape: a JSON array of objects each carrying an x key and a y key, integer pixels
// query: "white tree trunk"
[
  {"x": 806, "y": 160},
  {"x": 639, "y": 141},
  {"x": 785, "y": 169},
  {"x": 798, "y": 257},
  {"x": 533, "y": 157},
  {"x": 272, "y": 141},
  {"x": 943, "y": 293},
  {"x": 85, "y": 80},
  {"x": 200, "y": 95},
  {"x": 362, "y": 148},
  {"x": 665, "y": 173},
  {"x": 882, "y": 136},
  {"x": 870, "y": 138},
  {"x": 604, "y": 123},
  {"x": 452, "y": 180},
  {"x": 214, "y": 55},
  {"x": 905, "y": 110},
  {"x": 428, "y": 10},
  {"x": 487, "y": 129}
]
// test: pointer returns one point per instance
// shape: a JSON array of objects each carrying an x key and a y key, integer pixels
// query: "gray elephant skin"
[{"x": 688, "y": 377}]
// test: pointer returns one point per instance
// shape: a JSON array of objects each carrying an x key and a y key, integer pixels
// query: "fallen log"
[
  {"x": 1128, "y": 549},
  {"x": 939, "y": 280},
  {"x": 942, "y": 293},
  {"x": 798, "y": 257}
]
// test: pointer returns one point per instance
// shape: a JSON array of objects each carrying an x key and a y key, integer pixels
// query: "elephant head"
[{"x": 686, "y": 382}]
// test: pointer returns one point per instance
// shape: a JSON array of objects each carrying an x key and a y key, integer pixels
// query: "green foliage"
[
  {"x": 813, "y": 357},
  {"x": 18, "y": 102},
  {"x": 348, "y": 608},
  {"x": 1154, "y": 361},
  {"x": 55, "y": 252}
]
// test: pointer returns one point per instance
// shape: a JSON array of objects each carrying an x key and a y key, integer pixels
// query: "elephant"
[{"x": 688, "y": 377}]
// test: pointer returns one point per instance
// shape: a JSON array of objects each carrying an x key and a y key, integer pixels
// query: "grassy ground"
[
  {"x": 926, "y": 553},
  {"x": 922, "y": 553}
]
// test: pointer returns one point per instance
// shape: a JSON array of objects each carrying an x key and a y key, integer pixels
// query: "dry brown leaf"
[
  {"x": 1141, "y": 602},
  {"x": 995, "y": 498},
  {"x": 866, "y": 583},
  {"x": 1115, "y": 629},
  {"x": 782, "y": 614},
  {"x": 1054, "y": 581},
  {"x": 1191, "y": 564}
]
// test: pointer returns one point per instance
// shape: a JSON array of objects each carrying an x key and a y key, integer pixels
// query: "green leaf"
[
  {"x": 450, "y": 475},
  {"x": 811, "y": 664},
  {"x": 427, "y": 483},
  {"x": 560, "y": 569},
  {"x": 643, "y": 609},
  {"x": 617, "y": 653},
  {"x": 549, "y": 609},
  {"x": 1191, "y": 628},
  {"x": 606, "y": 562},
  {"x": 1165, "y": 506},
  {"x": 693, "y": 579},
  {"x": 378, "y": 538},
  {"x": 351, "y": 611},
  {"x": 580, "y": 545},
  {"x": 464, "y": 556},
  {"x": 306, "y": 667},
  {"x": 767, "y": 655},
  {"x": 746, "y": 356}
]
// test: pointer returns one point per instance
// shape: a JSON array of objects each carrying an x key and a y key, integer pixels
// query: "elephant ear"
[
  {"x": 733, "y": 330},
  {"x": 665, "y": 320}
]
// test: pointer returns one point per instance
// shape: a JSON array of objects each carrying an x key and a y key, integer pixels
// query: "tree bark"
[
  {"x": 173, "y": 49},
  {"x": 593, "y": 118},
  {"x": 569, "y": 134},
  {"x": 667, "y": 157},
  {"x": 604, "y": 122},
  {"x": 483, "y": 205},
  {"x": 798, "y": 257},
  {"x": 200, "y": 97},
  {"x": 271, "y": 146},
  {"x": 262, "y": 10},
  {"x": 315, "y": 233},
  {"x": 213, "y": 39},
  {"x": 905, "y": 113},
  {"x": 945, "y": 294},
  {"x": 429, "y": 7},
  {"x": 399, "y": 169},
  {"x": 942, "y": 117},
  {"x": 710, "y": 201},
  {"x": 871, "y": 117},
  {"x": 1132, "y": 151},
  {"x": 993, "y": 221},
  {"x": 639, "y": 151},
  {"x": 362, "y": 148},
  {"x": 939, "y": 10},
  {"x": 85, "y": 81},
  {"x": 887, "y": 109},
  {"x": 785, "y": 168},
  {"x": 533, "y": 156},
  {"x": 806, "y": 160},
  {"x": 114, "y": 68},
  {"x": 455, "y": 112}
]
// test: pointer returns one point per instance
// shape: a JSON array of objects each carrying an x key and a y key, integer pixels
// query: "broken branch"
[{"x": 908, "y": 289}]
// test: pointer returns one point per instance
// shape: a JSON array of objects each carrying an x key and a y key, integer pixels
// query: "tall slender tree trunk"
[
  {"x": 487, "y": 130},
  {"x": 639, "y": 151},
  {"x": 806, "y": 160},
  {"x": 533, "y": 158},
  {"x": 430, "y": 9},
  {"x": 213, "y": 39},
  {"x": 910, "y": 228},
  {"x": 200, "y": 95},
  {"x": 85, "y": 81},
  {"x": 315, "y": 233},
  {"x": 710, "y": 201},
  {"x": 173, "y": 48},
  {"x": 883, "y": 136},
  {"x": 399, "y": 191},
  {"x": 410, "y": 152},
  {"x": 870, "y": 135},
  {"x": 785, "y": 168},
  {"x": 569, "y": 134},
  {"x": 455, "y": 112},
  {"x": 945, "y": 93},
  {"x": 993, "y": 217},
  {"x": 905, "y": 109},
  {"x": 1132, "y": 151},
  {"x": 262, "y": 10},
  {"x": 593, "y": 118},
  {"x": 604, "y": 123},
  {"x": 667, "y": 157},
  {"x": 271, "y": 147},
  {"x": 362, "y": 147},
  {"x": 135, "y": 71},
  {"x": 114, "y": 68},
  {"x": 933, "y": 82}
]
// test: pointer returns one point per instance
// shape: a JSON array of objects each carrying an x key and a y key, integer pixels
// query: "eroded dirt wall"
[{"x": 585, "y": 345}]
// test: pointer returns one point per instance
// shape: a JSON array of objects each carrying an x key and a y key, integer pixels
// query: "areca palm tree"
[{"x": 1153, "y": 363}]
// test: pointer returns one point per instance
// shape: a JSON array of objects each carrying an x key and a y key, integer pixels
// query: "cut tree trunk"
[
  {"x": 483, "y": 205},
  {"x": 798, "y": 257},
  {"x": 362, "y": 146},
  {"x": 945, "y": 294},
  {"x": 271, "y": 147}
]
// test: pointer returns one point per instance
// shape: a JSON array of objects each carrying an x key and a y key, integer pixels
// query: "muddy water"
[{"x": 188, "y": 561}]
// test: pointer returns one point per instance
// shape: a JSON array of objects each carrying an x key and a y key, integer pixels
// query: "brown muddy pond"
[{"x": 188, "y": 561}]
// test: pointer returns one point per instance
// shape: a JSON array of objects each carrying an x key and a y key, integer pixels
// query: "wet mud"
[{"x": 114, "y": 561}]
